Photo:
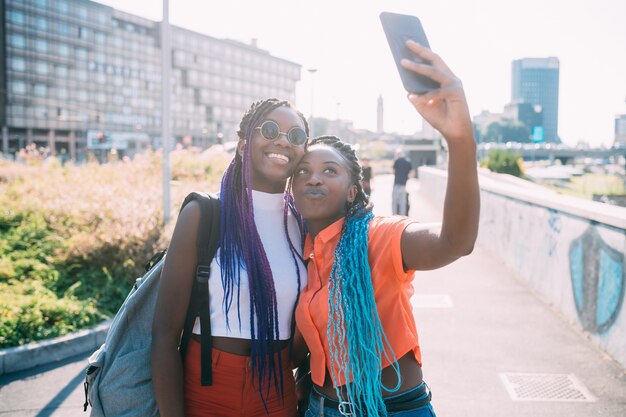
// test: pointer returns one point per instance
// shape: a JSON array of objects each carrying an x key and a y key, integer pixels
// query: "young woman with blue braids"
[
  {"x": 255, "y": 282},
  {"x": 354, "y": 313}
]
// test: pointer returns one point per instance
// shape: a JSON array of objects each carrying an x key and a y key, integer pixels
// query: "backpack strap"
[{"x": 207, "y": 243}]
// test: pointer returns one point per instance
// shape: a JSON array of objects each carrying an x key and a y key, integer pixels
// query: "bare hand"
[{"x": 446, "y": 107}]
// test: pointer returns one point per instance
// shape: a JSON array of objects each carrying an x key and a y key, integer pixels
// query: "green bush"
[
  {"x": 505, "y": 162},
  {"x": 73, "y": 239},
  {"x": 31, "y": 312}
]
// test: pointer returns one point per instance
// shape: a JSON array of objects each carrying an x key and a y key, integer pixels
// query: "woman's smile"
[{"x": 278, "y": 158}]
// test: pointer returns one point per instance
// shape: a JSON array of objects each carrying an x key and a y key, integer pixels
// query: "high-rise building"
[
  {"x": 536, "y": 81},
  {"x": 80, "y": 75}
]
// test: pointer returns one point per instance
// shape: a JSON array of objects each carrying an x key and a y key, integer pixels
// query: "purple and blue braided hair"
[{"x": 241, "y": 247}]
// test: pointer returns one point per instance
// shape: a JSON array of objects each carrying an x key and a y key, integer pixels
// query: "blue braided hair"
[{"x": 357, "y": 341}]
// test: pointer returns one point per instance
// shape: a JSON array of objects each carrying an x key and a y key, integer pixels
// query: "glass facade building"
[
  {"x": 76, "y": 72},
  {"x": 535, "y": 81}
]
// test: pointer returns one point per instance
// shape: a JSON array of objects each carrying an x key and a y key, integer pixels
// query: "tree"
[{"x": 505, "y": 162}]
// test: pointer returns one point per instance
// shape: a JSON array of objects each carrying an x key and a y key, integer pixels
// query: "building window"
[
  {"x": 18, "y": 111},
  {"x": 41, "y": 112},
  {"x": 82, "y": 12},
  {"x": 62, "y": 93},
  {"x": 83, "y": 33},
  {"x": 18, "y": 41},
  {"x": 63, "y": 49},
  {"x": 81, "y": 53},
  {"x": 41, "y": 23},
  {"x": 18, "y": 64},
  {"x": 41, "y": 45},
  {"x": 17, "y": 17},
  {"x": 101, "y": 97},
  {"x": 62, "y": 7},
  {"x": 61, "y": 71},
  {"x": 64, "y": 29},
  {"x": 81, "y": 75},
  {"x": 81, "y": 95},
  {"x": 40, "y": 90},
  {"x": 18, "y": 87},
  {"x": 41, "y": 67},
  {"x": 41, "y": 3},
  {"x": 100, "y": 37}
]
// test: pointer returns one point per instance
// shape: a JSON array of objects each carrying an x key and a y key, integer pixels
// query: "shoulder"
[
  {"x": 189, "y": 213},
  {"x": 187, "y": 223},
  {"x": 385, "y": 245},
  {"x": 388, "y": 227}
]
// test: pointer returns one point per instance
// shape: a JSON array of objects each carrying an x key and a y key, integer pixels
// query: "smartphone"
[{"x": 399, "y": 28}]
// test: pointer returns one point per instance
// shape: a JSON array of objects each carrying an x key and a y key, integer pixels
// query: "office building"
[
  {"x": 527, "y": 115},
  {"x": 81, "y": 76},
  {"x": 535, "y": 81}
]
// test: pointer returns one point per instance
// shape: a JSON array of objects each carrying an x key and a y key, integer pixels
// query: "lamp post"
[{"x": 312, "y": 71}]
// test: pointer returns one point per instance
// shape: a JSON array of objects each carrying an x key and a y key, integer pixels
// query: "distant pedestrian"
[
  {"x": 368, "y": 174},
  {"x": 399, "y": 196}
]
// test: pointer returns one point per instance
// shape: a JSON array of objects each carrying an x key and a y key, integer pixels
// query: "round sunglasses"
[{"x": 271, "y": 131}]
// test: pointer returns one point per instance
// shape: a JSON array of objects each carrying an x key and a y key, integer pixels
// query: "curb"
[{"x": 52, "y": 350}]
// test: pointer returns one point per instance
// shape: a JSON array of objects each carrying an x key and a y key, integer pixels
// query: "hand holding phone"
[{"x": 399, "y": 28}]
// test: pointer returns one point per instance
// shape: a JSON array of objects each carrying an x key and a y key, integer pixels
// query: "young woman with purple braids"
[
  {"x": 354, "y": 313},
  {"x": 256, "y": 278}
]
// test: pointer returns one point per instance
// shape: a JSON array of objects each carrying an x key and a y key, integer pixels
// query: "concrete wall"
[{"x": 571, "y": 251}]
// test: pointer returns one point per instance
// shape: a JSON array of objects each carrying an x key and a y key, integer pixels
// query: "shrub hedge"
[{"x": 74, "y": 238}]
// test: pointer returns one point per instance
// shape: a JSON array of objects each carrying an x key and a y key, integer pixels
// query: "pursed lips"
[{"x": 314, "y": 193}]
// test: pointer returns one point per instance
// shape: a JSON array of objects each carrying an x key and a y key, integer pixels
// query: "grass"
[{"x": 585, "y": 186}]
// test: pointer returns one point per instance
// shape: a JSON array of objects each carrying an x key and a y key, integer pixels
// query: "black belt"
[{"x": 409, "y": 400}]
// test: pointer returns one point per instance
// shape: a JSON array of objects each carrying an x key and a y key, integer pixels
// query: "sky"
[{"x": 343, "y": 40}]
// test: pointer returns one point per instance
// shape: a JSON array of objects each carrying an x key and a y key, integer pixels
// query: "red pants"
[{"x": 234, "y": 392}]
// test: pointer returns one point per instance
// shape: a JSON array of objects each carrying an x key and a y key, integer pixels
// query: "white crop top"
[{"x": 268, "y": 216}]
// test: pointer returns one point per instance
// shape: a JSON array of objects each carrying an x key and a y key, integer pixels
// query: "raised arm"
[
  {"x": 446, "y": 110},
  {"x": 171, "y": 308}
]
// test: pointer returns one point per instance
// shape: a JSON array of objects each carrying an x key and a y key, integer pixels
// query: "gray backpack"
[{"x": 118, "y": 379}]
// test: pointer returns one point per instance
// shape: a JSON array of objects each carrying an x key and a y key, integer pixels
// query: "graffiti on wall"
[{"x": 597, "y": 273}]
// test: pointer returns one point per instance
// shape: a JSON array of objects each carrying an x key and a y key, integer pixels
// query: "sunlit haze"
[{"x": 344, "y": 41}]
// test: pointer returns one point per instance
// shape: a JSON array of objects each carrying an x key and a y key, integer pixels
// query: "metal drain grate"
[
  {"x": 545, "y": 387},
  {"x": 432, "y": 301}
]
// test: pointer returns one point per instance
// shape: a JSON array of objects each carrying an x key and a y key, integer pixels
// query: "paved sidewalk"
[
  {"x": 54, "y": 390},
  {"x": 476, "y": 320}
]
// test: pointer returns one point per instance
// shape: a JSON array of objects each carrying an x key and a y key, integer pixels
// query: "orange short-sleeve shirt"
[{"x": 392, "y": 291}]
